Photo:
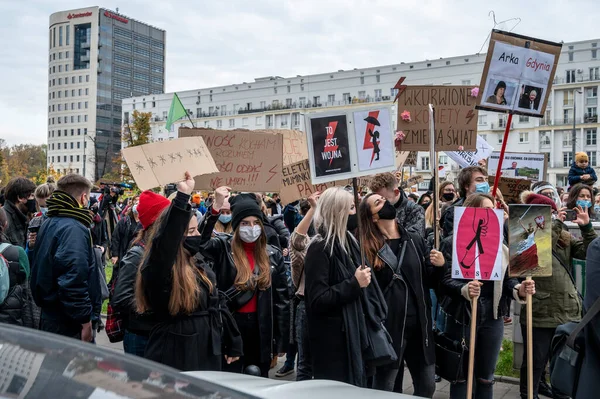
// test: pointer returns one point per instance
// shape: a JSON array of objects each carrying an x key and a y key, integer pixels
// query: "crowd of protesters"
[{"x": 232, "y": 281}]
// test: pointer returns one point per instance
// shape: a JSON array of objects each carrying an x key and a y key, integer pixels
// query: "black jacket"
[
  {"x": 417, "y": 274},
  {"x": 273, "y": 303},
  {"x": 282, "y": 231},
  {"x": 16, "y": 233},
  {"x": 447, "y": 218},
  {"x": 122, "y": 236},
  {"x": 195, "y": 341},
  {"x": 124, "y": 294},
  {"x": 17, "y": 307},
  {"x": 64, "y": 279}
]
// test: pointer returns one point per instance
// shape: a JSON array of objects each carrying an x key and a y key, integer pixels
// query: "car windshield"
[{"x": 34, "y": 364}]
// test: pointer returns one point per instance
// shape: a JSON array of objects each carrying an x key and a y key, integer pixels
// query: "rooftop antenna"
[
  {"x": 497, "y": 24},
  {"x": 117, "y": 10}
]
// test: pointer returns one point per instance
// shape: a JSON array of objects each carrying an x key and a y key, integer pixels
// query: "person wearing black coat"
[
  {"x": 253, "y": 277},
  {"x": 405, "y": 275},
  {"x": 343, "y": 305},
  {"x": 194, "y": 330},
  {"x": 283, "y": 234},
  {"x": 123, "y": 235}
]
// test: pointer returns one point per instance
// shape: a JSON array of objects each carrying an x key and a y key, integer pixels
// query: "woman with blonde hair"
[
  {"x": 252, "y": 277},
  {"x": 342, "y": 304},
  {"x": 194, "y": 332}
]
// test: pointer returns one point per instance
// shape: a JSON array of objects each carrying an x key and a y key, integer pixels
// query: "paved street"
[{"x": 501, "y": 390}]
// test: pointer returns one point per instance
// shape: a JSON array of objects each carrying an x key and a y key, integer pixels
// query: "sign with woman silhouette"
[
  {"x": 477, "y": 244},
  {"x": 530, "y": 240},
  {"x": 374, "y": 139}
]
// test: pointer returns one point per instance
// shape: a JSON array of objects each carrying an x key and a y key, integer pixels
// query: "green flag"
[{"x": 176, "y": 112}]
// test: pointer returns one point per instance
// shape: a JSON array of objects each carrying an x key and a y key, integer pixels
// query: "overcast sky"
[{"x": 214, "y": 42}]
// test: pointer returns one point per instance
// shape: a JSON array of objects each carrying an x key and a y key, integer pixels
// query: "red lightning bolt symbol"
[
  {"x": 273, "y": 172},
  {"x": 330, "y": 134},
  {"x": 470, "y": 115},
  {"x": 400, "y": 87}
]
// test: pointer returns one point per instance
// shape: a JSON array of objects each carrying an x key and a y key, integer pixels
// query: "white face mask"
[{"x": 250, "y": 234}]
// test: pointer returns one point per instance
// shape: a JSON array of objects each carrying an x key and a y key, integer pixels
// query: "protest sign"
[
  {"x": 401, "y": 158},
  {"x": 374, "y": 137},
  {"x": 247, "y": 161},
  {"x": 455, "y": 117},
  {"x": 526, "y": 165},
  {"x": 530, "y": 240},
  {"x": 411, "y": 159},
  {"x": 470, "y": 158},
  {"x": 518, "y": 74},
  {"x": 477, "y": 244},
  {"x": 412, "y": 181},
  {"x": 341, "y": 147},
  {"x": 511, "y": 188},
  {"x": 165, "y": 162},
  {"x": 296, "y": 182}
]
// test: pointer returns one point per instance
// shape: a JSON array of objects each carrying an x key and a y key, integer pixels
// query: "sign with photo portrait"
[{"x": 518, "y": 74}]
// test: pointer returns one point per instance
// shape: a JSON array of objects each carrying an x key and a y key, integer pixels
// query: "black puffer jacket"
[
  {"x": 122, "y": 236},
  {"x": 273, "y": 303},
  {"x": 17, "y": 306},
  {"x": 282, "y": 231}
]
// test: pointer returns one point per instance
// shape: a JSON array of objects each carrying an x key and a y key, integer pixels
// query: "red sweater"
[{"x": 250, "y": 307}]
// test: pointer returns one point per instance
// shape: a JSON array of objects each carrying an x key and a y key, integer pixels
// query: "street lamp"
[{"x": 574, "y": 138}]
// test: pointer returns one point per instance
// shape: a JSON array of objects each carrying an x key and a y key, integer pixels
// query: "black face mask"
[
  {"x": 278, "y": 200},
  {"x": 448, "y": 196},
  {"x": 387, "y": 212},
  {"x": 31, "y": 206},
  {"x": 352, "y": 223},
  {"x": 426, "y": 205},
  {"x": 192, "y": 244}
]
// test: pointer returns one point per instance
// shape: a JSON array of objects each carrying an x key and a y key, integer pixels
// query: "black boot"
[{"x": 545, "y": 389}]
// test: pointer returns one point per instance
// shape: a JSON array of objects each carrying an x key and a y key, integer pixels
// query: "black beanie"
[{"x": 242, "y": 206}]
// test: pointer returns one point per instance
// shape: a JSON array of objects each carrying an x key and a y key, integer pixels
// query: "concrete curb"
[{"x": 507, "y": 380}]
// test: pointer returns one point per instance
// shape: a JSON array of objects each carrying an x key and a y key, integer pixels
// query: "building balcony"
[
  {"x": 85, "y": 58},
  {"x": 85, "y": 45},
  {"x": 591, "y": 101},
  {"x": 565, "y": 121},
  {"x": 578, "y": 79}
]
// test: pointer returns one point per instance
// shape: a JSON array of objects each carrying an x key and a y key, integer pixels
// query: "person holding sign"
[
  {"x": 252, "y": 276},
  {"x": 493, "y": 298},
  {"x": 556, "y": 301},
  {"x": 405, "y": 273},
  {"x": 194, "y": 331}
]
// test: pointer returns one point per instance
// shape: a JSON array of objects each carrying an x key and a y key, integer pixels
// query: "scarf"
[{"x": 61, "y": 204}]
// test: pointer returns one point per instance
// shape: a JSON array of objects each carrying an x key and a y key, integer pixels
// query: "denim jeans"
[
  {"x": 134, "y": 344},
  {"x": 437, "y": 314},
  {"x": 489, "y": 336},
  {"x": 385, "y": 377},
  {"x": 304, "y": 371},
  {"x": 423, "y": 376}
]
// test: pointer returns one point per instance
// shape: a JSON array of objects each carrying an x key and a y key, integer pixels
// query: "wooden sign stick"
[
  {"x": 529, "y": 346},
  {"x": 472, "y": 346}
]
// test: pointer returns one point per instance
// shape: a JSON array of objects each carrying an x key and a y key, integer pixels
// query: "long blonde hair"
[
  {"x": 244, "y": 279},
  {"x": 185, "y": 287},
  {"x": 331, "y": 216}
]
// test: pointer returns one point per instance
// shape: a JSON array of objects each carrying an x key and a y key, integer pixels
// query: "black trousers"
[
  {"x": 542, "y": 338},
  {"x": 68, "y": 329},
  {"x": 248, "y": 326}
]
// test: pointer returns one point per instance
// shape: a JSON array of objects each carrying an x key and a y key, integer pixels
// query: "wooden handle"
[
  {"x": 474, "y": 302},
  {"x": 529, "y": 346}
]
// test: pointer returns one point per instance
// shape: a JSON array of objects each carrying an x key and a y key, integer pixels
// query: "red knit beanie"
[
  {"x": 150, "y": 206},
  {"x": 529, "y": 198}
]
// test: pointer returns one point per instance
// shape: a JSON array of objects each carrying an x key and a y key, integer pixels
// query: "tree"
[
  {"x": 42, "y": 176},
  {"x": 136, "y": 133},
  {"x": 26, "y": 160}
]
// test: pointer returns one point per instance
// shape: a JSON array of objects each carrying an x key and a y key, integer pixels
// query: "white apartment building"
[
  {"x": 97, "y": 57},
  {"x": 280, "y": 103}
]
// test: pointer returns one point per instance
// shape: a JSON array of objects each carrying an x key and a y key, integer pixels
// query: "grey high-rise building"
[{"x": 97, "y": 57}]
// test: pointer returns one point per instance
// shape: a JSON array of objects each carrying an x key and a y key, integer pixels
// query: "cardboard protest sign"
[
  {"x": 470, "y": 158},
  {"x": 401, "y": 158},
  {"x": 511, "y": 188},
  {"x": 526, "y": 165},
  {"x": 165, "y": 162},
  {"x": 455, "y": 117},
  {"x": 330, "y": 155},
  {"x": 530, "y": 240},
  {"x": 477, "y": 244},
  {"x": 412, "y": 181},
  {"x": 296, "y": 182},
  {"x": 374, "y": 139},
  {"x": 518, "y": 74},
  {"x": 411, "y": 159},
  {"x": 247, "y": 161}
]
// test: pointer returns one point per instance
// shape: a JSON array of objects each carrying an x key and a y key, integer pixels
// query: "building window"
[
  {"x": 592, "y": 158},
  {"x": 595, "y": 73},
  {"x": 78, "y": 155},
  {"x": 288, "y": 102},
  {"x": 571, "y": 56},
  {"x": 545, "y": 139},
  {"x": 219, "y": 124},
  {"x": 275, "y": 90},
  {"x": 378, "y": 94},
  {"x": 289, "y": 89},
  {"x": 378, "y": 78},
  {"x": 362, "y": 95},
  {"x": 296, "y": 119},
  {"x": 443, "y": 160},
  {"x": 523, "y": 118},
  {"x": 244, "y": 121},
  {"x": 570, "y": 76},
  {"x": 567, "y": 138},
  {"x": 567, "y": 116},
  {"x": 72, "y": 146},
  {"x": 523, "y": 137},
  {"x": 590, "y": 137},
  {"x": 466, "y": 82},
  {"x": 258, "y": 121},
  {"x": 232, "y": 123},
  {"x": 60, "y": 35},
  {"x": 362, "y": 80},
  {"x": 567, "y": 159},
  {"x": 67, "y": 53},
  {"x": 331, "y": 98},
  {"x": 425, "y": 163}
]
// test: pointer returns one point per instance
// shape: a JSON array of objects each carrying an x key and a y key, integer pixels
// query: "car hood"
[{"x": 266, "y": 388}]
